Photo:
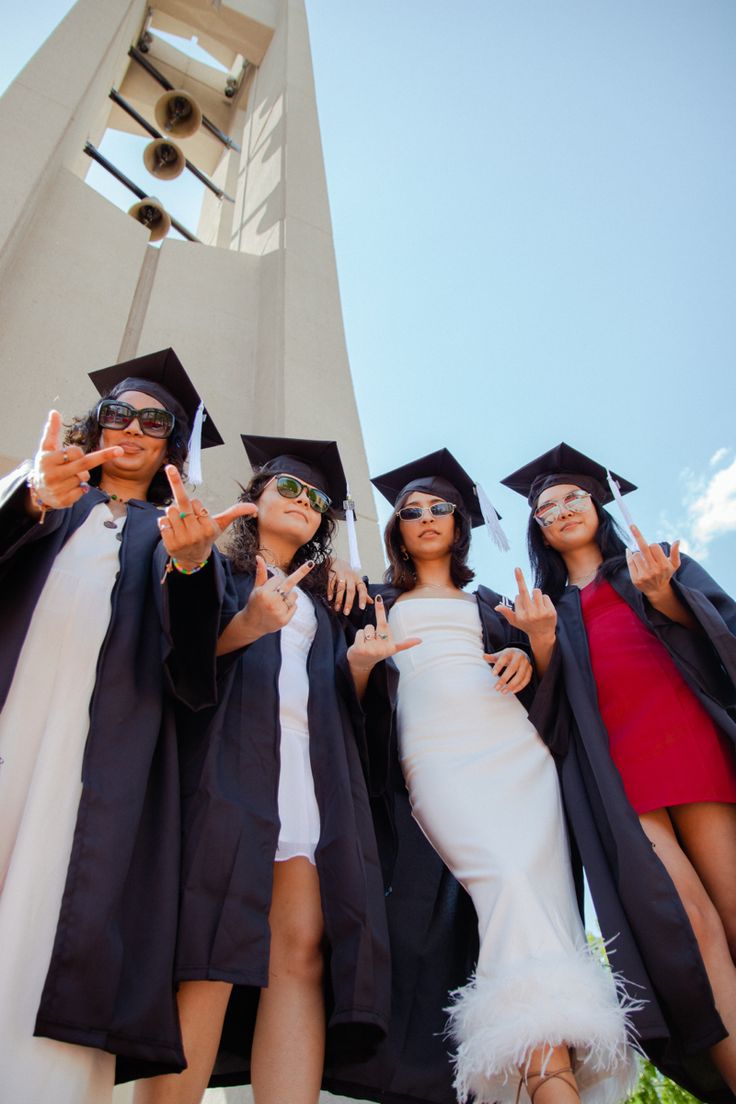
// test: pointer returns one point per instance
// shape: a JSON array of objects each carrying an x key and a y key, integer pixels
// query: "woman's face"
[
  {"x": 573, "y": 529},
  {"x": 142, "y": 455},
  {"x": 291, "y": 521},
  {"x": 429, "y": 537}
]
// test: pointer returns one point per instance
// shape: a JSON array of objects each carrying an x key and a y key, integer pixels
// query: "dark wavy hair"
[
  {"x": 548, "y": 566},
  {"x": 244, "y": 542},
  {"x": 401, "y": 572},
  {"x": 86, "y": 433}
]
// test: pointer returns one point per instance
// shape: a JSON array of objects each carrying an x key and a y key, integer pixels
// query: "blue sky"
[{"x": 534, "y": 225}]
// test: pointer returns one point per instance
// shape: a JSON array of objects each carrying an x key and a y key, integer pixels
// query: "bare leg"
[
  {"x": 707, "y": 832},
  {"x": 289, "y": 1040},
  {"x": 708, "y": 929},
  {"x": 546, "y": 1088},
  {"x": 202, "y": 1006}
]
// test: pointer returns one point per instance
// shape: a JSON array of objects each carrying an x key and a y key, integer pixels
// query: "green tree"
[{"x": 655, "y": 1088}]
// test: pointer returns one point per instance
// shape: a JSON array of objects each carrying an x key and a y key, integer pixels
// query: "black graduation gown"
[
  {"x": 109, "y": 980},
  {"x": 230, "y": 771},
  {"x": 432, "y": 922},
  {"x": 636, "y": 903}
]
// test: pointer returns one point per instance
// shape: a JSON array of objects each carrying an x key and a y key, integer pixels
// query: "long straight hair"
[
  {"x": 548, "y": 566},
  {"x": 401, "y": 572}
]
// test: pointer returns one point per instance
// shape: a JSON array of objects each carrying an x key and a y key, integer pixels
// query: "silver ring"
[
  {"x": 341, "y": 582},
  {"x": 284, "y": 597},
  {"x": 383, "y": 636},
  {"x": 66, "y": 457}
]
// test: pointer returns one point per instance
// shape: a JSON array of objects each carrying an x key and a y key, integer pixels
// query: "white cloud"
[
  {"x": 719, "y": 455},
  {"x": 710, "y": 503}
]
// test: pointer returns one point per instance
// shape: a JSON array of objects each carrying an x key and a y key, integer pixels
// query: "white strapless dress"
[{"x": 484, "y": 790}]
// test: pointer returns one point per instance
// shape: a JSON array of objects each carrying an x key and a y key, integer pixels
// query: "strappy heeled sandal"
[{"x": 543, "y": 1079}]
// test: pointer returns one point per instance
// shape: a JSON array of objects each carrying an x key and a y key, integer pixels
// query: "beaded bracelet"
[
  {"x": 174, "y": 565},
  {"x": 37, "y": 500}
]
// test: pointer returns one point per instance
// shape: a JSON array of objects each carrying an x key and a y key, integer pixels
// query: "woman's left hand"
[
  {"x": 344, "y": 585},
  {"x": 371, "y": 645},
  {"x": 512, "y": 668},
  {"x": 187, "y": 530},
  {"x": 650, "y": 569}
]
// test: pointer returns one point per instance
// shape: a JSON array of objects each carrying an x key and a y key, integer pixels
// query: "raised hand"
[
  {"x": 512, "y": 668},
  {"x": 534, "y": 614},
  {"x": 187, "y": 529},
  {"x": 650, "y": 568},
  {"x": 371, "y": 645},
  {"x": 271, "y": 604},
  {"x": 61, "y": 475},
  {"x": 344, "y": 585}
]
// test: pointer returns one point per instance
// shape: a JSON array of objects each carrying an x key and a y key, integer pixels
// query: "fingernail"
[
  {"x": 84, "y": 487},
  {"x": 378, "y": 598},
  {"x": 310, "y": 563}
]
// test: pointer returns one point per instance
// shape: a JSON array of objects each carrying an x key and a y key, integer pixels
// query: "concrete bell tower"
[{"x": 251, "y": 306}]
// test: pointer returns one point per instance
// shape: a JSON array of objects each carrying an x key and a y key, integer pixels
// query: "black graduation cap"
[
  {"x": 314, "y": 462},
  {"x": 162, "y": 369},
  {"x": 439, "y": 474},
  {"x": 564, "y": 464}
]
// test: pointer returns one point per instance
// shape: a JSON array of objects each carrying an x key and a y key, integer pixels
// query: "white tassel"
[
  {"x": 195, "y": 448},
  {"x": 492, "y": 520},
  {"x": 616, "y": 492},
  {"x": 353, "y": 552}
]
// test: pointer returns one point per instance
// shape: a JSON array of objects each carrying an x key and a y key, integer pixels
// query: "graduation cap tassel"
[
  {"x": 492, "y": 520},
  {"x": 195, "y": 448},
  {"x": 354, "y": 554},
  {"x": 616, "y": 492}
]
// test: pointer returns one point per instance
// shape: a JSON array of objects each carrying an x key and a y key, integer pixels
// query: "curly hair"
[
  {"x": 548, "y": 566},
  {"x": 85, "y": 432},
  {"x": 401, "y": 572},
  {"x": 244, "y": 542}
]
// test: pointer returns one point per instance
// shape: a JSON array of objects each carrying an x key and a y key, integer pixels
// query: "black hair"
[{"x": 548, "y": 567}]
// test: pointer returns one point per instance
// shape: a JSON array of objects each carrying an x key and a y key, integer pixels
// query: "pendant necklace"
[{"x": 111, "y": 523}]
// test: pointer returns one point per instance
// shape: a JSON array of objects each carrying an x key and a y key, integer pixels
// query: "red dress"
[{"x": 667, "y": 748}]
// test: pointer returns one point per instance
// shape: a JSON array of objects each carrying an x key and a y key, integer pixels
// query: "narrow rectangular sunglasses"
[
  {"x": 437, "y": 509},
  {"x": 289, "y": 486},
  {"x": 154, "y": 421},
  {"x": 575, "y": 502}
]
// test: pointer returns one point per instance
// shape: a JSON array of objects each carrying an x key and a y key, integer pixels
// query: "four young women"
[{"x": 270, "y": 924}]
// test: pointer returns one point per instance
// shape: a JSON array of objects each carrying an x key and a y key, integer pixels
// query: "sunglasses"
[
  {"x": 154, "y": 422},
  {"x": 289, "y": 486},
  {"x": 576, "y": 502},
  {"x": 437, "y": 509}
]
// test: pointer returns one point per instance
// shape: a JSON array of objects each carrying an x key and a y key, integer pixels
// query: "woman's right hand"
[
  {"x": 371, "y": 645},
  {"x": 271, "y": 604},
  {"x": 61, "y": 475},
  {"x": 534, "y": 614}
]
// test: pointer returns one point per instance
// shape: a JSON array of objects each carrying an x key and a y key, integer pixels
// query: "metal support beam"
[
  {"x": 122, "y": 103},
  {"x": 95, "y": 154}
]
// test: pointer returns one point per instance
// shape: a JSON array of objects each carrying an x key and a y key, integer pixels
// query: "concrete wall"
[{"x": 254, "y": 314}]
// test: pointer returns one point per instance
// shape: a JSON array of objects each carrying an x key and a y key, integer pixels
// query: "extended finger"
[
  {"x": 176, "y": 483},
  {"x": 643, "y": 546},
  {"x": 240, "y": 509},
  {"x": 296, "y": 576},
  {"x": 521, "y": 582},
  {"x": 51, "y": 433},
  {"x": 363, "y": 597},
  {"x": 331, "y": 584},
  {"x": 381, "y": 619},
  {"x": 261, "y": 571},
  {"x": 93, "y": 459},
  {"x": 349, "y": 597},
  {"x": 410, "y": 642},
  {"x": 675, "y": 554}
]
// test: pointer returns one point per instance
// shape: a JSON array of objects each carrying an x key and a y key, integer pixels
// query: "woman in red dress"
[{"x": 638, "y": 701}]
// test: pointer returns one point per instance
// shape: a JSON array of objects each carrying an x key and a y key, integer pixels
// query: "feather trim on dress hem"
[{"x": 571, "y": 999}]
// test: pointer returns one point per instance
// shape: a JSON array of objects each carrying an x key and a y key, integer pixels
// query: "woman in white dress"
[
  {"x": 282, "y": 941},
  {"x": 483, "y": 788},
  {"x": 87, "y": 769}
]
